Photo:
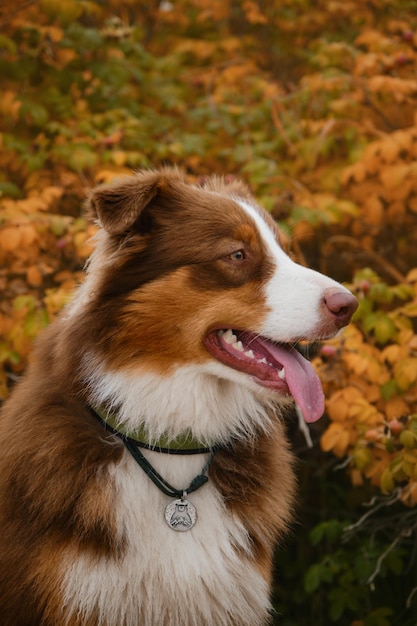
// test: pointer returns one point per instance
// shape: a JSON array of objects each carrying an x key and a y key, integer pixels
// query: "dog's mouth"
[{"x": 277, "y": 366}]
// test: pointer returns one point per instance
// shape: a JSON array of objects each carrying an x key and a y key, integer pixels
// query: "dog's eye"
[{"x": 239, "y": 255}]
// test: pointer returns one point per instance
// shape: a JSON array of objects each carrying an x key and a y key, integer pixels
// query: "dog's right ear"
[{"x": 117, "y": 206}]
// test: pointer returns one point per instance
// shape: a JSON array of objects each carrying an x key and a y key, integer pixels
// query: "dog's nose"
[{"x": 341, "y": 304}]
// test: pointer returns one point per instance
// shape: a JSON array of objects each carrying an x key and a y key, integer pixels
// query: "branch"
[
  {"x": 385, "y": 502},
  {"x": 349, "y": 241},
  {"x": 381, "y": 560}
]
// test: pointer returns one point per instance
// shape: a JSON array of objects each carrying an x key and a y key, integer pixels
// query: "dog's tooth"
[
  {"x": 250, "y": 354},
  {"x": 281, "y": 374},
  {"x": 239, "y": 346},
  {"x": 263, "y": 360},
  {"x": 229, "y": 337}
]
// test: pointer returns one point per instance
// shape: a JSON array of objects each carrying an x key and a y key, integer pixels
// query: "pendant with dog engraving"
[{"x": 180, "y": 515}]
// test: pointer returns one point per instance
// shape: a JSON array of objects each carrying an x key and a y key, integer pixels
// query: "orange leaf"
[
  {"x": 412, "y": 204},
  {"x": 10, "y": 238},
  {"x": 34, "y": 276},
  {"x": 374, "y": 211},
  {"x": 335, "y": 439},
  {"x": 394, "y": 175},
  {"x": 395, "y": 408},
  {"x": 405, "y": 373},
  {"x": 389, "y": 149},
  {"x": 28, "y": 235},
  {"x": 412, "y": 275}
]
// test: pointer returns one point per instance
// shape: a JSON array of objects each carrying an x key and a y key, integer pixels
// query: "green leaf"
[
  {"x": 338, "y": 604},
  {"x": 10, "y": 190},
  {"x": 389, "y": 389},
  {"x": 313, "y": 578},
  {"x": 379, "y": 617},
  {"x": 330, "y": 529},
  {"x": 34, "y": 113},
  {"x": 24, "y": 302},
  {"x": 8, "y": 44},
  {"x": 381, "y": 325}
]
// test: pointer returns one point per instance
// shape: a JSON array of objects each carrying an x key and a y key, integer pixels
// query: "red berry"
[
  {"x": 328, "y": 351},
  {"x": 402, "y": 59},
  {"x": 395, "y": 427},
  {"x": 372, "y": 434},
  {"x": 408, "y": 35}
]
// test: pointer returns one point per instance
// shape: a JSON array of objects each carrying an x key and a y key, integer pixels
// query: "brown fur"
[{"x": 56, "y": 494}]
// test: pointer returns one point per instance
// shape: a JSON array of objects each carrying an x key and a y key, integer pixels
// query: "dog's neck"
[
  {"x": 183, "y": 444},
  {"x": 211, "y": 409}
]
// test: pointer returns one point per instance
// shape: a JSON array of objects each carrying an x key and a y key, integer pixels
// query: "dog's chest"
[{"x": 201, "y": 576}]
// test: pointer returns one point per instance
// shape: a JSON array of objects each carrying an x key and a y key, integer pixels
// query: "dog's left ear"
[{"x": 117, "y": 206}]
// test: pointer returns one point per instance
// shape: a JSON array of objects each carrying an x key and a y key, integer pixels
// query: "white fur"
[
  {"x": 154, "y": 584},
  {"x": 211, "y": 399},
  {"x": 294, "y": 293}
]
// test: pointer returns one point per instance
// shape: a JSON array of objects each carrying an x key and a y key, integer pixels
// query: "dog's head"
[{"x": 187, "y": 275}]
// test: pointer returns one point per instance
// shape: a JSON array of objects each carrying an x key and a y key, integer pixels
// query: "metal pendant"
[{"x": 180, "y": 515}]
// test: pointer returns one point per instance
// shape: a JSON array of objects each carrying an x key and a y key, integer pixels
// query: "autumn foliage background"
[{"x": 313, "y": 103}]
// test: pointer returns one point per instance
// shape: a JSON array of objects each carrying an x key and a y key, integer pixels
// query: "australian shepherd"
[{"x": 145, "y": 475}]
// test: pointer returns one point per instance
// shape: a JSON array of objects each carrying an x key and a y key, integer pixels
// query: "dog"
[{"x": 145, "y": 474}]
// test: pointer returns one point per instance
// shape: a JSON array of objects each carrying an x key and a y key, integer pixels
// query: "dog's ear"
[{"x": 117, "y": 206}]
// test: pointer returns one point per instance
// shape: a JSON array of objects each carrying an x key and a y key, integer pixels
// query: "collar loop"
[{"x": 183, "y": 444}]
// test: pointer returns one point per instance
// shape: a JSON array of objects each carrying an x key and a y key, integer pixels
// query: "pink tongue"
[{"x": 302, "y": 381}]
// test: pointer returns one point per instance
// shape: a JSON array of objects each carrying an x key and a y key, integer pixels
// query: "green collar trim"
[{"x": 183, "y": 444}]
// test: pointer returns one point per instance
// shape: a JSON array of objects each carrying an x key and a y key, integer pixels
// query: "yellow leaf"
[
  {"x": 389, "y": 149},
  {"x": 337, "y": 407},
  {"x": 405, "y": 373},
  {"x": 33, "y": 204},
  {"x": 118, "y": 157},
  {"x": 396, "y": 86},
  {"x": 56, "y": 300},
  {"x": 356, "y": 362},
  {"x": 410, "y": 456},
  {"x": 398, "y": 194},
  {"x": 107, "y": 175},
  {"x": 335, "y": 439},
  {"x": 392, "y": 353},
  {"x": 387, "y": 481},
  {"x": 412, "y": 275},
  {"x": 408, "y": 438},
  {"x": 356, "y": 172},
  {"x": 51, "y": 193},
  {"x": 379, "y": 463},
  {"x": 362, "y": 457},
  {"x": 395, "y": 407},
  {"x": 394, "y": 175},
  {"x": 364, "y": 412}
]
